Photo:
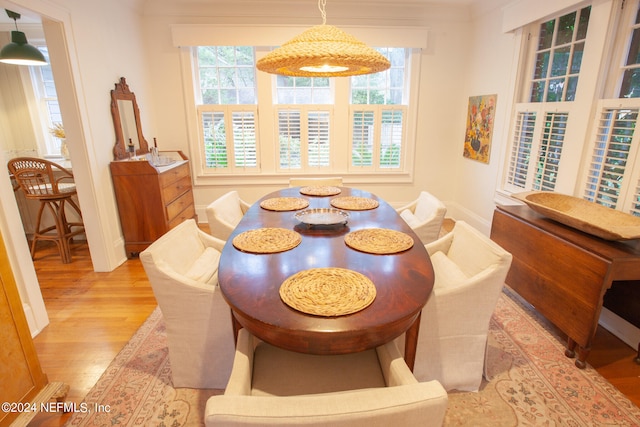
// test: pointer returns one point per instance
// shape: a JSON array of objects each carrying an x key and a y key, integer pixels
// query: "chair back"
[
  {"x": 224, "y": 214},
  {"x": 41, "y": 179},
  {"x": 305, "y": 182}
]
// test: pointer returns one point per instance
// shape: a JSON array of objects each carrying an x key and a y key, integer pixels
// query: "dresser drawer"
[
  {"x": 189, "y": 212},
  {"x": 174, "y": 174},
  {"x": 176, "y": 189},
  {"x": 181, "y": 203}
]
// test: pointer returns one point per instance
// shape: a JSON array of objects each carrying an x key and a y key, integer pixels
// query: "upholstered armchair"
[
  {"x": 425, "y": 216},
  {"x": 470, "y": 270},
  {"x": 335, "y": 181},
  {"x": 182, "y": 266},
  {"x": 225, "y": 213},
  {"x": 272, "y": 386}
]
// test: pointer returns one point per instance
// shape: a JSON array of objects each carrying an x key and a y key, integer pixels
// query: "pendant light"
[
  {"x": 19, "y": 52},
  {"x": 323, "y": 51}
]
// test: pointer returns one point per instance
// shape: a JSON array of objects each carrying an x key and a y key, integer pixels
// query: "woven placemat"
[
  {"x": 320, "y": 190},
  {"x": 354, "y": 203},
  {"x": 380, "y": 241},
  {"x": 284, "y": 203},
  {"x": 267, "y": 240},
  {"x": 328, "y": 291}
]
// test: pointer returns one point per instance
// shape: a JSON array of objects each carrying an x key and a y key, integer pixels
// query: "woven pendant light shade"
[{"x": 323, "y": 51}]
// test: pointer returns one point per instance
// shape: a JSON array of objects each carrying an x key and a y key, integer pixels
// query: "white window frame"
[
  {"x": 185, "y": 36},
  {"x": 576, "y": 146}
]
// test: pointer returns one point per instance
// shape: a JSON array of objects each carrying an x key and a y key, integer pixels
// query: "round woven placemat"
[
  {"x": 320, "y": 190},
  {"x": 328, "y": 291},
  {"x": 267, "y": 240},
  {"x": 284, "y": 203},
  {"x": 354, "y": 203},
  {"x": 380, "y": 241}
]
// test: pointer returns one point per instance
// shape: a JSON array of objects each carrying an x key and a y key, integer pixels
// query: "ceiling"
[{"x": 28, "y": 17}]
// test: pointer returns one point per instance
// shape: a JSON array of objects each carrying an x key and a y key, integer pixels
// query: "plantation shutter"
[
  {"x": 362, "y": 137},
  {"x": 215, "y": 139},
  {"x": 536, "y": 148},
  {"x": 521, "y": 148},
  {"x": 289, "y": 136},
  {"x": 318, "y": 146},
  {"x": 550, "y": 151},
  {"x": 391, "y": 138},
  {"x": 244, "y": 139},
  {"x": 614, "y": 153}
]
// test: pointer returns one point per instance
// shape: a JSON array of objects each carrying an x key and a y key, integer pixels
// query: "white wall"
[
  {"x": 492, "y": 70},
  {"x": 92, "y": 44},
  {"x": 440, "y": 132}
]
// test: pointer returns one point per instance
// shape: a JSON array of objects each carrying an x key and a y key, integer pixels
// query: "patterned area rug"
[{"x": 532, "y": 383}]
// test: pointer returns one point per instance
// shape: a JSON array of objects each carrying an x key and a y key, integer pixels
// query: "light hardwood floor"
[{"x": 93, "y": 315}]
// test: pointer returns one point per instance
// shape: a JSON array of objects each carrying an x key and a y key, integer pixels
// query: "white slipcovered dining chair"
[
  {"x": 335, "y": 181},
  {"x": 272, "y": 386},
  {"x": 470, "y": 270},
  {"x": 425, "y": 216},
  {"x": 225, "y": 213},
  {"x": 182, "y": 266}
]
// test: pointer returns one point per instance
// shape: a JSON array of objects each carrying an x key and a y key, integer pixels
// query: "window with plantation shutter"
[
  {"x": 610, "y": 178},
  {"x": 229, "y": 137},
  {"x": 522, "y": 142},
  {"x": 289, "y": 134},
  {"x": 304, "y": 138},
  {"x": 318, "y": 145},
  {"x": 226, "y": 107},
  {"x": 391, "y": 138},
  {"x": 536, "y": 148},
  {"x": 362, "y": 139},
  {"x": 268, "y": 127},
  {"x": 548, "y": 164},
  {"x": 244, "y": 139},
  {"x": 376, "y": 137}
]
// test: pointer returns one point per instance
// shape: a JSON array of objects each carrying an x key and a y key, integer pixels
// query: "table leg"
[
  {"x": 236, "y": 327},
  {"x": 581, "y": 360},
  {"x": 637, "y": 359},
  {"x": 411, "y": 342}
]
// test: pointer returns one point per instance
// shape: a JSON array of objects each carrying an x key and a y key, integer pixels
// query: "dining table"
[{"x": 252, "y": 280}]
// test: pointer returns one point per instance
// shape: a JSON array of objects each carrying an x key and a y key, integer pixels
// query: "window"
[
  {"x": 541, "y": 121},
  {"x": 257, "y": 124},
  {"x": 227, "y": 108},
  {"x": 558, "y": 57},
  {"x": 548, "y": 124},
  {"x": 47, "y": 98},
  {"x": 378, "y": 109},
  {"x": 304, "y": 107},
  {"x": 613, "y": 173},
  {"x": 611, "y": 161}
]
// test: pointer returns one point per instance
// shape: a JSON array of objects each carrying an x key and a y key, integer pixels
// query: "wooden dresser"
[
  {"x": 564, "y": 273},
  {"x": 151, "y": 200}
]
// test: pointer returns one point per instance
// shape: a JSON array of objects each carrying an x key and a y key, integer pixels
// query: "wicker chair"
[{"x": 53, "y": 186}]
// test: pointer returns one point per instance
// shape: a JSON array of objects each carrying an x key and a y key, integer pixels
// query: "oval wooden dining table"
[{"x": 250, "y": 282}]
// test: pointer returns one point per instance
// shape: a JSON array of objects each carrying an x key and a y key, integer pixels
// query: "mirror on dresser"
[
  {"x": 126, "y": 122},
  {"x": 154, "y": 192}
]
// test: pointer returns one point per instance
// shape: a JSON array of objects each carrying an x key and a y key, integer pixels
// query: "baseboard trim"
[{"x": 619, "y": 327}]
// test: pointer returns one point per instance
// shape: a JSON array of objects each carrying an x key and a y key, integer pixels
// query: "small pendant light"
[{"x": 19, "y": 52}]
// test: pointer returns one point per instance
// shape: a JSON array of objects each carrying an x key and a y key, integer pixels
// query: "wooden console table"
[{"x": 564, "y": 273}]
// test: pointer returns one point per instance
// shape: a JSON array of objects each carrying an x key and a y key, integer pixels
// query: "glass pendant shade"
[{"x": 19, "y": 52}]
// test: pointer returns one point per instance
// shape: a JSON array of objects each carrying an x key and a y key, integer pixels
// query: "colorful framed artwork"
[{"x": 477, "y": 140}]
